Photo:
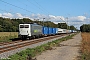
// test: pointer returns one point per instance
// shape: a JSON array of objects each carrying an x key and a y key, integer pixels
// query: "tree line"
[
  {"x": 11, "y": 25},
  {"x": 85, "y": 28},
  {"x": 65, "y": 26}
]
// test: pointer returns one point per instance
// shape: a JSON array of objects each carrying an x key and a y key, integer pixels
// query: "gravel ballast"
[{"x": 8, "y": 53}]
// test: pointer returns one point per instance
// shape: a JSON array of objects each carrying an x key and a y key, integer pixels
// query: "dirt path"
[{"x": 68, "y": 50}]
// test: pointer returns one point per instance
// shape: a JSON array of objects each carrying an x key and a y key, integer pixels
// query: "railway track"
[
  {"x": 4, "y": 47},
  {"x": 6, "y": 43}
]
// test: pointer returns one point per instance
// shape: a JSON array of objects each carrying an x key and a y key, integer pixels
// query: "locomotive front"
[{"x": 24, "y": 31}]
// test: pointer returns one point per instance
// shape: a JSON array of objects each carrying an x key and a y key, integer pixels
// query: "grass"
[
  {"x": 6, "y": 36},
  {"x": 85, "y": 47},
  {"x": 39, "y": 49}
]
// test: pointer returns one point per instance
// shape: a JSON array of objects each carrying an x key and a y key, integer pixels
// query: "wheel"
[
  {"x": 29, "y": 38},
  {"x": 33, "y": 37}
]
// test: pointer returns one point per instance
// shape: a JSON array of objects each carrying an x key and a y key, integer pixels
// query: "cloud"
[
  {"x": 18, "y": 15},
  {"x": 47, "y": 18},
  {"x": 75, "y": 20},
  {"x": 0, "y": 15},
  {"x": 82, "y": 18},
  {"x": 38, "y": 16},
  {"x": 7, "y": 15},
  {"x": 56, "y": 17}
]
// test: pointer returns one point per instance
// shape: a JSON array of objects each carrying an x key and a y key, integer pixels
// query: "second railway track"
[{"x": 18, "y": 44}]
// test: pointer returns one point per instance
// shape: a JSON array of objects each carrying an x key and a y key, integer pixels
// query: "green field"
[{"x": 6, "y": 36}]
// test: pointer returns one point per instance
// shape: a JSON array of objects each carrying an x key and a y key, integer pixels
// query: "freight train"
[{"x": 35, "y": 30}]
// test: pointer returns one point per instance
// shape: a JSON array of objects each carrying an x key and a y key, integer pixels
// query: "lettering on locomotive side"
[{"x": 35, "y": 31}]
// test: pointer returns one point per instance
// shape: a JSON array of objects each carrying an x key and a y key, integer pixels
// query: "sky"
[{"x": 72, "y": 12}]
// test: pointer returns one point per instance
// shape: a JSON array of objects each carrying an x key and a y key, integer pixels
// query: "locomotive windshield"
[
  {"x": 21, "y": 26},
  {"x": 24, "y": 26}
]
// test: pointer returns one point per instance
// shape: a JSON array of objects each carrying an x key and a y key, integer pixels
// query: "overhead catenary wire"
[
  {"x": 38, "y": 6},
  {"x": 10, "y": 12},
  {"x": 41, "y": 7},
  {"x": 7, "y": 11},
  {"x": 16, "y": 6},
  {"x": 26, "y": 5}
]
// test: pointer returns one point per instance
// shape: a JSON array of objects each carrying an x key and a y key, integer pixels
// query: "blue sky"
[{"x": 77, "y": 11}]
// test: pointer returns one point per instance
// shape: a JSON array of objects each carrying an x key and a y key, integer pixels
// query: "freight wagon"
[
  {"x": 35, "y": 30},
  {"x": 45, "y": 31},
  {"x": 49, "y": 31},
  {"x": 62, "y": 31}
]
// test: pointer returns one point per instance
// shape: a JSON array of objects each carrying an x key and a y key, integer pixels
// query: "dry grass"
[
  {"x": 8, "y": 33},
  {"x": 85, "y": 46},
  {"x": 86, "y": 42},
  {"x": 6, "y": 36}
]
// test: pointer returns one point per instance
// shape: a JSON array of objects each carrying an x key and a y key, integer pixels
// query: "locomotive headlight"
[{"x": 27, "y": 32}]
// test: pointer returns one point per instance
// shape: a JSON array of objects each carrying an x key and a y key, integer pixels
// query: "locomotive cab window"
[
  {"x": 26, "y": 26},
  {"x": 21, "y": 26}
]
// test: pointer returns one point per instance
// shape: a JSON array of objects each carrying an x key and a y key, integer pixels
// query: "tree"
[
  {"x": 72, "y": 27},
  {"x": 85, "y": 28},
  {"x": 1, "y": 29},
  {"x": 27, "y": 20},
  {"x": 11, "y": 25},
  {"x": 62, "y": 25}
]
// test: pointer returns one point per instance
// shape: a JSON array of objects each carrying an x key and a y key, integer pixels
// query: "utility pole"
[
  {"x": 63, "y": 20},
  {"x": 43, "y": 21},
  {"x": 67, "y": 22}
]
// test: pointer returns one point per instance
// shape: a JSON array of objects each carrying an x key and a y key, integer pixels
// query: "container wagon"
[
  {"x": 50, "y": 31},
  {"x": 54, "y": 31},
  {"x": 45, "y": 31}
]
